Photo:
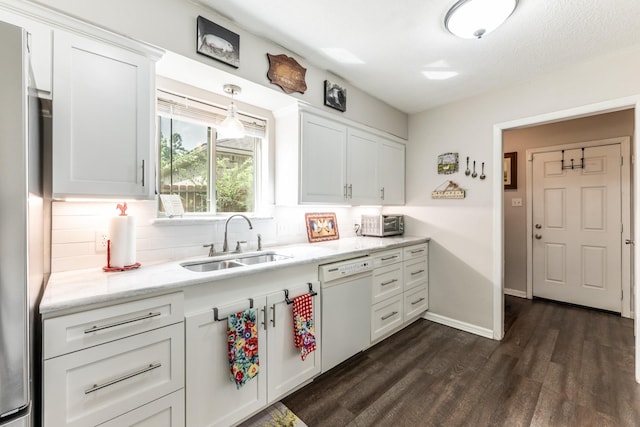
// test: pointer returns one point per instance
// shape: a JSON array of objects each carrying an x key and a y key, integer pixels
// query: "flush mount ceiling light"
[
  {"x": 475, "y": 18},
  {"x": 231, "y": 127}
]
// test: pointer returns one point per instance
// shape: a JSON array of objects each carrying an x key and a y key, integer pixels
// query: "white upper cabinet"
[
  {"x": 104, "y": 119},
  {"x": 322, "y": 160},
  {"x": 391, "y": 173}
]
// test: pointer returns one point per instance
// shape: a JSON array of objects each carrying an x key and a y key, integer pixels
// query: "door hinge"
[
  {"x": 621, "y": 160},
  {"x": 621, "y": 295}
]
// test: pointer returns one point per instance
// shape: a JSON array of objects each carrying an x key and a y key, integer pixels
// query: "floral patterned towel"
[
  {"x": 303, "y": 330},
  {"x": 242, "y": 339}
]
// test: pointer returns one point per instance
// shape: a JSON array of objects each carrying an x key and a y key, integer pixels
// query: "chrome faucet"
[{"x": 225, "y": 245}]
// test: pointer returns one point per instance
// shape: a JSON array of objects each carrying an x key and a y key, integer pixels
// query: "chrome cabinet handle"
[
  {"x": 389, "y": 315},
  {"x": 97, "y": 387},
  {"x": 417, "y": 272},
  {"x": 417, "y": 301},
  {"x": 417, "y": 251},
  {"x": 382, "y": 193},
  {"x": 388, "y": 258},
  {"x": 273, "y": 318},
  {"x": 351, "y": 191},
  {"x": 538, "y": 236},
  {"x": 389, "y": 282},
  {"x": 143, "y": 172},
  {"x": 264, "y": 314},
  {"x": 122, "y": 322},
  {"x": 344, "y": 194}
]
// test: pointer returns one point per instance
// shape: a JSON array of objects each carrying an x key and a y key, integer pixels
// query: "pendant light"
[
  {"x": 470, "y": 19},
  {"x": 231, "y": 127}
]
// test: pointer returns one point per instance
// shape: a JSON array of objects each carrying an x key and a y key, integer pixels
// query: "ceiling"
[{"x": 398, "y": 40}]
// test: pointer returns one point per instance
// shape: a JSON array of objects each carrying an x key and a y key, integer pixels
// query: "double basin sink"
[{"x": 234, "y": 260}]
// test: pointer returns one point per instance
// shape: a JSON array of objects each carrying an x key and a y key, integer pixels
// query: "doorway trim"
[
  {"x": 625, "y": 197},
  {"x": 498, "y": 191}
]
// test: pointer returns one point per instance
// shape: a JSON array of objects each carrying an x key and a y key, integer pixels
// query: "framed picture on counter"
[{"x": 321, "y": 226}]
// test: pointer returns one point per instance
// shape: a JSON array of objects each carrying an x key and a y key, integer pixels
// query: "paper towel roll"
[{"x": 122, "y": 233}]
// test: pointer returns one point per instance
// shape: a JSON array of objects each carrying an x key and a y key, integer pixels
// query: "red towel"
[{"x": 303, "y": 329}]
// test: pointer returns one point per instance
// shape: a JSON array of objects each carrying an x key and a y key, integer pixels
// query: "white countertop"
[{"x": 75, "y": 289}]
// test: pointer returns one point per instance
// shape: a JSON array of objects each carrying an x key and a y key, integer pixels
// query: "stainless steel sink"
[
  {"x": 234, "y": 260},
  {"x": 210, "y": 265},
  {"x": 260, "y": 258}
]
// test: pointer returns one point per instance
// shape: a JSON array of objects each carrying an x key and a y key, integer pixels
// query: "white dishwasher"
[{"x": 346, "y": 309}]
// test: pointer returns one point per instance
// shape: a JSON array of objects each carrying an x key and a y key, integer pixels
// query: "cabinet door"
[
  {"x": 415, "y": 273},
  {"x": 103, "y": 119},
  {"x": 211, "y": 395},
  {"x": 391, "y": 162},
  {"x": 387, "y": 282},
  {"x": 386, "y": 317},
  {"x": 362, "y": 173},
  {"x": 322, "y": 160},
  {"x": 287, "y": 370}
]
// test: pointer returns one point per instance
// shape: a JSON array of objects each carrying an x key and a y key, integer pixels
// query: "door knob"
[
  {"x": 629, "y": 242},
  {"x": 538, "y": 236},
  {"x": 538, "y": 226}
]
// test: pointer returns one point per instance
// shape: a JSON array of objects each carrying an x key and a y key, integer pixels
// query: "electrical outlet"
[
  {"x": 516, "y": 201},
  {"x": 101, "y": 241}
]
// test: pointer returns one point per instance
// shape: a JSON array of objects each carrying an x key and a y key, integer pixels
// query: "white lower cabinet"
[
  {"x": 416, "y": 302},
  {"x": 386, "y": 317},
  {"x": 94, "y": 385},
  {"x": 286, "y": 369},
  {"x": 212, "y": 396},
  {"x": 168, "y": 411}
]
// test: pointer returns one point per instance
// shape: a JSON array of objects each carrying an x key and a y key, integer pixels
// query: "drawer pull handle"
[
  {"x": 417, "y": 272},
  {"x": 97, "y": 387},
  {"x": 417, "y": 301},
  {"x": 389, "y": 315},
  {"x": 388, "y": 258},
  {"x": 273, "y": 319},
  {"x": 389, "y": 282},
  {"x": 122, "y": 322},
  {"x": 417, "y": 251}
]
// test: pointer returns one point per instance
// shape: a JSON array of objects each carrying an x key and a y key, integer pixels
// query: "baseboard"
[
  {"x": 463, "y": 326},
  {"x": 515, "y": 293}
]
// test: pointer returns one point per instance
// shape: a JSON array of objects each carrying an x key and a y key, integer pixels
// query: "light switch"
[{"x": 516, "y": 201}]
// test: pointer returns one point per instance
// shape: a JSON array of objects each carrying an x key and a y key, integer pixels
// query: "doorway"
[{"x": 578, "y": 215}]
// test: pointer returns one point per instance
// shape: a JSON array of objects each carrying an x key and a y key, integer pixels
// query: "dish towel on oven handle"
[
  {"x": 303, "y": 329},
  {"x": 242, "y": 340}
]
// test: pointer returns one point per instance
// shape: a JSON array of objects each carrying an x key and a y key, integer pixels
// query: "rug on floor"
[{"x": 276, "y": 415}]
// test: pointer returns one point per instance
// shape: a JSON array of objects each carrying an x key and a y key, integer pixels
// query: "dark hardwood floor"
[{"x": 557, "y": 365}]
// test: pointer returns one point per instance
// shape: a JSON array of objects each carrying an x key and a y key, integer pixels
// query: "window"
[{"x": 210, "y": 175}]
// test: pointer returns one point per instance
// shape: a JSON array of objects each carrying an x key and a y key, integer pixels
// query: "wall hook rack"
[{"x": 572, "y": 166}]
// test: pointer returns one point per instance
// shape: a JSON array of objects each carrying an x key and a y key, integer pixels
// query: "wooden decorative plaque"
[{"x": 285, "y": 72}]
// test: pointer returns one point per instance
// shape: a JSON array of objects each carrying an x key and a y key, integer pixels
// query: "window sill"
[{"x": 197, "y": 220}]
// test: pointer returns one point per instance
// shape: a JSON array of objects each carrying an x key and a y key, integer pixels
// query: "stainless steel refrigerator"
[{"x": 23, "y": 230}]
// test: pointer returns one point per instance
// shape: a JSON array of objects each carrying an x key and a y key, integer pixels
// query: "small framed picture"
[
  {"x": 218, "y": 43},
  {"x": 335, "y": 96},
  {"x": 321, "y": 226},
  {"x": 510, "y": 171},
  {"x": 447, "y": 163}
]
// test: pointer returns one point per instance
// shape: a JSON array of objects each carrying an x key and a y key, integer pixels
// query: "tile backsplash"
[{"x": 74, "y": 226}]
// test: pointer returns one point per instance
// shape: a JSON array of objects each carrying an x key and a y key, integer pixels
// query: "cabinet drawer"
[
  {"x": 386, "y": 316},
  {"x": 88, "y": 387},
  {"x": 392, "y": 256},
  {"x": 387, "y": 282},
  {"x": 415, "y": 251},
  {"x": 78, "y": 331},
  {"x": 168, "y": 411},
  {"x": 416, "y": 302},
  {"x": 415, "y": 273}
]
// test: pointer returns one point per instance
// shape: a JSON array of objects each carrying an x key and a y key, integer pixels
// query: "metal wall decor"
[
  {"x": 448, "y": 163},
  {"x": 217, "y": 42},
  {"x": 285, "y": 72}
]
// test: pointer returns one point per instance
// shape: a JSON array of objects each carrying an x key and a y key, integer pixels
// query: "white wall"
[
  {"x": 171, "y": 25},
  {"x": 463, "y": 252}
]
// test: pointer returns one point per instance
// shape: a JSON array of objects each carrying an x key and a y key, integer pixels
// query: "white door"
[{"x": 577, "y": 227}]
